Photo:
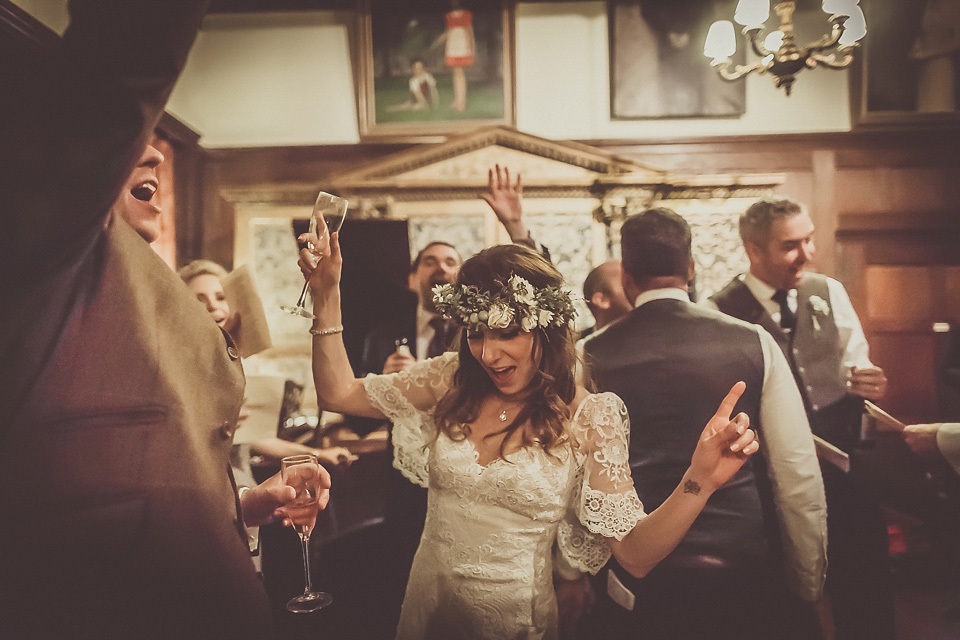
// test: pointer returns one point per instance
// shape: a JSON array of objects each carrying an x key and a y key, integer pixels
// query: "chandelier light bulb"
[
  {"x": 721, "y": 42},
  {"x": 840, "y": 7},
  {"x": 752, "y": 13},
  {"x": 856, "y": 28},
  {"x": 773, "y": 41}
]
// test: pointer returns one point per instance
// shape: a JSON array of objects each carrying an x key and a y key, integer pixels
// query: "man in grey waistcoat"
[
  {"x": 760, "y": 537},
  {"x": 811, "y": 318}
]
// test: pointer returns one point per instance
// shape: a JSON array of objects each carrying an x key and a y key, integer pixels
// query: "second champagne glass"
[
  {"x": 302, "y": 472},
  {"x": 328, "y": 214}
]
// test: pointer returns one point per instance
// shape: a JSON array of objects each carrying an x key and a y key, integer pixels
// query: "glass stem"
[
  {"x": 305, "y": 544},
  {"x": 303, "y": 295}
]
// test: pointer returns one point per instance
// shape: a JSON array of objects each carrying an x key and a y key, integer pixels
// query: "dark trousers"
[
  {"x": 701, "y": 604},
  {"x": 859, "y": 580}
]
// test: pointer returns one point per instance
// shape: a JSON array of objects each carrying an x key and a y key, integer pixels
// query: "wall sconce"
[{"x": 778, "y": 50}]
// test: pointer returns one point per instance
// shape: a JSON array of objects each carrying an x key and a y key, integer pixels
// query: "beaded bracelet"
[{"x": 326, "y": 332}]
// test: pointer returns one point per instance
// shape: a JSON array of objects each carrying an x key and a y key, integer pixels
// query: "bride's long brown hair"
[{"x": 547, "y": 407}]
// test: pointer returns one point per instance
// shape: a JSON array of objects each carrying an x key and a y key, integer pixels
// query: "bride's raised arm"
[
  {"x": 723, "y": 448},
  {"x": 337, "y": 388}
]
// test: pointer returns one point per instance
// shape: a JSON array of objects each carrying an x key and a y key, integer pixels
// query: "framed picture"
[
  {"x": 908, "y": 69},
  {"x": 657, "y": 66},
  {"x": 430, "y": 68}
]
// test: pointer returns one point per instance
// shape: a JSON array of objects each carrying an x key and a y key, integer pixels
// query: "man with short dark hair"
[
  {"x": 760, "y": 537},
  {"x": 813, "y": 322}
]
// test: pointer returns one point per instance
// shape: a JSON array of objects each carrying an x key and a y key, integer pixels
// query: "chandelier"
[{"x": 777, "y": 50}]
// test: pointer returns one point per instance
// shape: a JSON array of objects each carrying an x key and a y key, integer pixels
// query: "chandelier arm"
[
  {"x": 829, "y": 41},
  {"x": 831, "y": 61},
  {"x": 739, "y": 70},
  {"x": 752, "y": 34}
]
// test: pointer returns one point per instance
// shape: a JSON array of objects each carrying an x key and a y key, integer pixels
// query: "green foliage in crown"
[{"x": 517, "y": 301}]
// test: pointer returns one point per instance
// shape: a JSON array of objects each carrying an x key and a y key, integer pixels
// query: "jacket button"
[
  {"x": 226, "y": 430},
  {"x": 816, "y": 407},
  {"x": 801, "y": 370},
  {"x": 233, "y": 353}
]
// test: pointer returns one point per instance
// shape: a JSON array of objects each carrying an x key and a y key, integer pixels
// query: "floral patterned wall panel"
[
  {"x": 568, "y": 236},
  {"x": 717, "y": 249},
  {"x": 465, "y": 232}
]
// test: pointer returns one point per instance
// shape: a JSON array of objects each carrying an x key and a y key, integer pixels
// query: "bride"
[{"x": 524, "y": 468}]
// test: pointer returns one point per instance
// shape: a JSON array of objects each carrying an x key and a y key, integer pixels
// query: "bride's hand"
[
  {"x": 322, "y": 264},
  {"x": 725, "y": 444}
]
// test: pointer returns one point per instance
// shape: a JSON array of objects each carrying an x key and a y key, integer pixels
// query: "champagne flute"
[
  {"x": 328, "y": 214},
  {"x": 302, "y": 472}
]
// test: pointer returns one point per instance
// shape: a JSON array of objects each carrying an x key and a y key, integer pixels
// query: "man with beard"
[{"x": 814, "y": 323}]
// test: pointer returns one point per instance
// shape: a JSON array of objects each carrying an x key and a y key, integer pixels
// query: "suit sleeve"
[
  {"x": 76, "y": 119},
  {"x": 794, "y": 474}
]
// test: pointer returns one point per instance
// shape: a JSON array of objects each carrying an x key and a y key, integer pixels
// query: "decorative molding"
[{"x": 570, "y": 153}]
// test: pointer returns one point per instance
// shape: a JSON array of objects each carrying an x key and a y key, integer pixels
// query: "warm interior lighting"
[
  {"x": 773, "y": 41},
  {"x": 840, "y": 7},
  {"x": 721, "y": 41},
  {"x": 752, "y": 13},
  {"x": 856, "y": 28},
  {"x": 777, "y": 52}
]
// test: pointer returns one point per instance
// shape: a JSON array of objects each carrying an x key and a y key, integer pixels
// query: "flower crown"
[{"x": 517, "y": 300}]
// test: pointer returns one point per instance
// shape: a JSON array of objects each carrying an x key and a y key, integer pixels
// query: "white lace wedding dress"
[{"x": 492, "y": 533}]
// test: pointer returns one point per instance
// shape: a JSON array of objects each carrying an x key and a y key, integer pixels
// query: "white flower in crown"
[
  {"x": 528, "y": 323},
  {"x": 523, "y": 291},
  {"x": 819, "y": 306},
  {"x": 443, "y": 293},
  {"x": 545, "y": 317},
  {"x": 499, "y": 316}
]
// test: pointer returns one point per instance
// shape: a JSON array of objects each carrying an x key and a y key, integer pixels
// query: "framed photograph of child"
[{"x": 430, "y": 68}]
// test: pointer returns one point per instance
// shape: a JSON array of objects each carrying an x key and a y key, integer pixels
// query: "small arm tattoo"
[{"x": 691, "y": 487}]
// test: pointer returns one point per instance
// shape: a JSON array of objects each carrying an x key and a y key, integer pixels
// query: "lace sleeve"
[
  {"x": 407, "y": 399},
  {"x": 605, "y": 503}
]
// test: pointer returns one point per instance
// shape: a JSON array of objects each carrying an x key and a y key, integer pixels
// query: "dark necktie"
[
  {"x": 441, "y": 337},
  {"x": 788, "y": 319}
]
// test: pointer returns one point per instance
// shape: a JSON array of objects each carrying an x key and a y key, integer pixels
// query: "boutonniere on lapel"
[{"x": 820, "y": 308}]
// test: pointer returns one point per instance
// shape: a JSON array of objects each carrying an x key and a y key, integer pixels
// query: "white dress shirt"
[
  {"x": 856, "y": 351},
  {"x": 792, "y": 462},
  {"x": 948, "y": 441}
]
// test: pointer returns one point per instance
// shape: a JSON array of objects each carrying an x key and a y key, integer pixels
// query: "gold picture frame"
[
  {"x": 894, "y": 81},
  {"x": 412, "y": 56}
]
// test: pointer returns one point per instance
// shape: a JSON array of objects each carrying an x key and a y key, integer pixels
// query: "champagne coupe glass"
[
  {"x": 328, "y": 214},
  {"x": 302, "y": 472}
]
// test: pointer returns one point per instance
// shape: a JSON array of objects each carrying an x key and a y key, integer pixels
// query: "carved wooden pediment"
[{"x": 458, "y": 168}]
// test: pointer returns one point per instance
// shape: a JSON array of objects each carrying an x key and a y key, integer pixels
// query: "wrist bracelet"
[{"x": 326, "y": 332}]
